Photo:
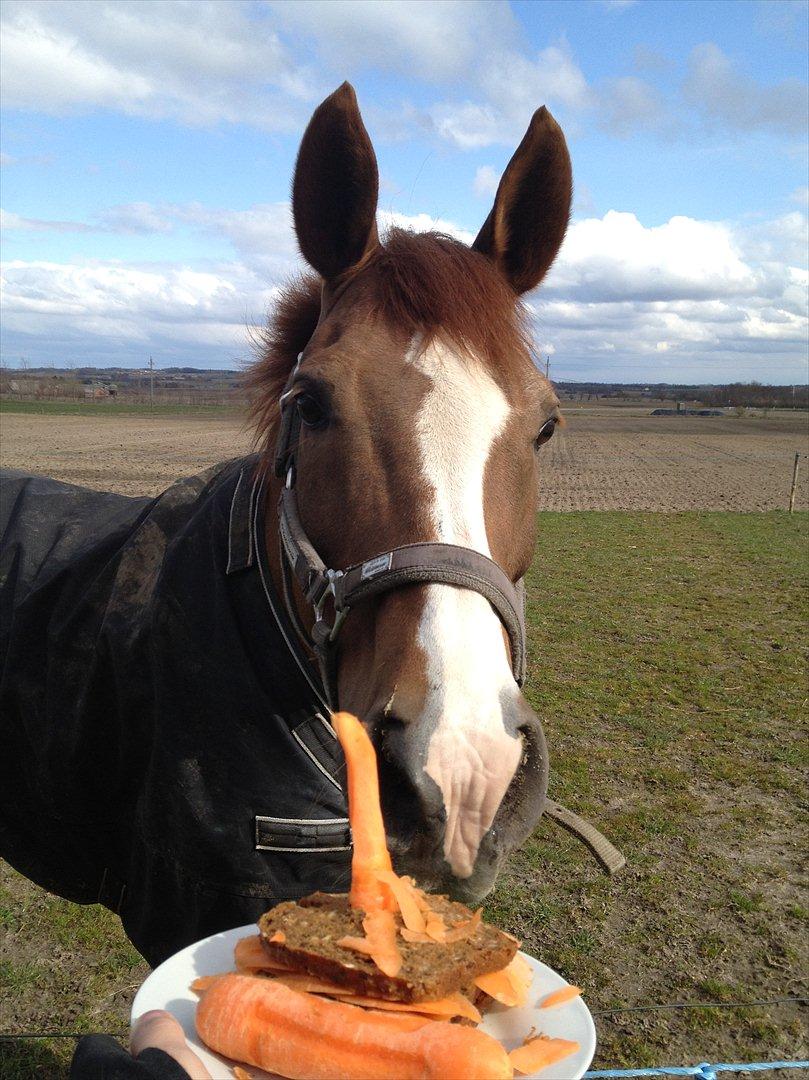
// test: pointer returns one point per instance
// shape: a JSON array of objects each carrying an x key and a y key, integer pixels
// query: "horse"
[{"x": 170, "y": 665}]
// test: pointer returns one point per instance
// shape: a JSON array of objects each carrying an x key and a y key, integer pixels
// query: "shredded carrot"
[
  {"x": 462, "y": 930},
  {"x": 404, "y": 894},
  {"x": 250, "y": 956},
  {"x": 510, "y": 985},
  {"x": 559, "y": 997},
  {"x": 365, "y": 814},
  {"x": 436, "y": 928},
  {"x": 539, "y": 1053},
  {"x": 415, "y": 937},
  {"x": 358, "y": 944},
  {"x": 380, "y": 929},
  {"x": 452, "y": 1005},
  {"x": 279, "y": 936}
]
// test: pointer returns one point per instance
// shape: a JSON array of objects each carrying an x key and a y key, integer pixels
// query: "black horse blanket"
[{"x": 163, "y": 750}]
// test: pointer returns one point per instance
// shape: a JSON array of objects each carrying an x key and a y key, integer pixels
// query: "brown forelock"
[{"x": 424, "y": 283}]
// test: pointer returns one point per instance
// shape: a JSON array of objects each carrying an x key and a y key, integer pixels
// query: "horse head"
[{"x": 419, "y": 416}]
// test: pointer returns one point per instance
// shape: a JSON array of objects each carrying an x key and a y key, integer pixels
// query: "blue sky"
[{"x": 148, "y": 149}]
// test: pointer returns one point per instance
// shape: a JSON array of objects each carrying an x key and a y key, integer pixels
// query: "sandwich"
[{"x": 385, "y": 982}]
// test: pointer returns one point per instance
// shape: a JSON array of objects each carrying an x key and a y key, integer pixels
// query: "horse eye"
[
  {"x": 546, "y": 431},
  {"x": 311, "y": 411}
]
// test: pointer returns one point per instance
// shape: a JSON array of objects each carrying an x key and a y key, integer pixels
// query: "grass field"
[{"x": 668, "y": 662}]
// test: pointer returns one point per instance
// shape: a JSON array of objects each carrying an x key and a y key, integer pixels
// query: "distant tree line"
[{"x": 755, "y": 395}]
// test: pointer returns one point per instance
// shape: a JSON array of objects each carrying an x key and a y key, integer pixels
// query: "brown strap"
[
  {"x": 447, "y": 564},
  {"x": 607, "y": 854}
]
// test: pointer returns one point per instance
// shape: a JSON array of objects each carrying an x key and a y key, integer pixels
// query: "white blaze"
[{"x": 471, "y": 757}]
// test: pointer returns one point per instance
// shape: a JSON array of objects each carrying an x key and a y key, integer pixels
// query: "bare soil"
[{"x": 604, "y": 459}]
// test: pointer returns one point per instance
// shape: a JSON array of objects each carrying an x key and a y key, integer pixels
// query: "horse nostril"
[{"x": 411, "y": 802}]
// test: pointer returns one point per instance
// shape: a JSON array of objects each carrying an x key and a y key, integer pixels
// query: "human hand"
[{"x": 159, "y": 1029}]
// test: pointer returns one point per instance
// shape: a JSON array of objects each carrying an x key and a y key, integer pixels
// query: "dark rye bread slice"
[{"x": 313, "y": 926}]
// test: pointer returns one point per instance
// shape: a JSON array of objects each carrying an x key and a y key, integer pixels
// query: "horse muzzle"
[{"x": 417, "y": 817}]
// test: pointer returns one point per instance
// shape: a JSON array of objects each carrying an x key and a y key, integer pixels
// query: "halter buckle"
[{"x": 326, "y": 632}]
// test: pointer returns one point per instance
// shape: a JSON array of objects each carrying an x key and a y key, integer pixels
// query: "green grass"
[
  {"x": 668, "y": 662},
  {"x": 114, "y": 409},
  {"x": 669, "y": 666}
]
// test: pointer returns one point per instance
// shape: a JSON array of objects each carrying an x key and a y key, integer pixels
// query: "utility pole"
[
  {"x": 151, "y": 384},
  {"x": 547, "y": 367}
]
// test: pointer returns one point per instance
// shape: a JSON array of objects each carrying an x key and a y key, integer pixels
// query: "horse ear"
[
  {"x": 336, "y": 186},
  {"x": 527, "y": 223}
]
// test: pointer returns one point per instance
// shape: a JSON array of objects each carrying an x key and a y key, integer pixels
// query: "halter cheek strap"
[{"x": 333, "y": 593}]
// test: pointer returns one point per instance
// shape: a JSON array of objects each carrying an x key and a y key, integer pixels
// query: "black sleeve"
[{"x": 100, "y": 1057}]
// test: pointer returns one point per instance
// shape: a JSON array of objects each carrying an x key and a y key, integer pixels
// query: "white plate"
[{"x": 168, "y": 988}]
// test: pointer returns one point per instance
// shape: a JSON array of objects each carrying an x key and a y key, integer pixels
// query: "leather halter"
[{"x": 342, "y": 590}]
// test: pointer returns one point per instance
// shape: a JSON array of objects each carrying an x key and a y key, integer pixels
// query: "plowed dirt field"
[{"x": 604, "y": 459}]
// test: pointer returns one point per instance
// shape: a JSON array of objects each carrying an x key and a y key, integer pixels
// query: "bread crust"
[{"x": 313, "y": 926}]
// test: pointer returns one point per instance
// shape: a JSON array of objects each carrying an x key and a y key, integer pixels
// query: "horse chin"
[{"x": 436, "y": 876}]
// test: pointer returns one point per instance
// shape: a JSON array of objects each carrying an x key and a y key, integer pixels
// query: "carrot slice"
[
  {"x": 559, "y": 997},
  {"x": 462, "y": 930},
  {"x": 263, "y": 1023},
  {"x": 510, "y": 985},
  {"x": 380, "y": 929},
  {"x": 404, "y": 894},
  {"x": 436, "y": 928},
  {"x": 541, "y": 1052},
  {"x": 365, "y": 814},
  {"x": 250, "y": 956},
  {"x": 445, "y": 1008},
  {"x": 415, "y": 937}
]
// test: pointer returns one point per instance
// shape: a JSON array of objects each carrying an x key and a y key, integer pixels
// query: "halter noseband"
[{"x": 446, "y": 564}]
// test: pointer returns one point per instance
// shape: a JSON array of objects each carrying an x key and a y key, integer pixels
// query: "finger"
[{"x": 160, "y": 1029}]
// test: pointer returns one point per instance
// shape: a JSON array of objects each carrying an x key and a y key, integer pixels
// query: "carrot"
[
  {"x": 263, "y": 1023},
  {"x": 250, "y": 956},
  {"x": 541, "y": 1052},
  {"x": 559, "y": 997},
  {"x": 454, "y": 1004},
  {"x": 364, "y": 811},
  {"x": 510, "y": 985}
]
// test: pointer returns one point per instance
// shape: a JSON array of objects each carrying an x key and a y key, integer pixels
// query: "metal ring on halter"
[{"x": 332, "y": 577}]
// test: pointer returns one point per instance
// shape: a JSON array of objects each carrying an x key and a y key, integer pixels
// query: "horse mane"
[{"x": 425, "y": 283}]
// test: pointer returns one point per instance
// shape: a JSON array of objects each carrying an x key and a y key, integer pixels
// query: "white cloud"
[
  {"x": 616, "y": 257},
  {"x": 512, "y": 87},
  {"x": 739, "y": 101},
  {"x": 486, "y": 181},
  {"x": 12, "y": 221},
  {"x": 437, "y": 42},
  {"x": 199, "y": 62},
  {"x": 800, "y": 196},
  {"x": 685, "y": 299},
  {"x": 717, "y": 300}
]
